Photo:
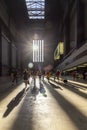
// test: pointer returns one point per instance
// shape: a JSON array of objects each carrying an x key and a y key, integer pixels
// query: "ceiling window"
[{"x": 36, "y": 9}]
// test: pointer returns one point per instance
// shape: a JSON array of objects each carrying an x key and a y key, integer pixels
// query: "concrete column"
[
  {"x": 67, "y": 34},
  {"x": 85, "y": 20},
  {"x": 0, "y": 53},
  {"x": 80, "y": 23},
  {"x": 10, "y": 58},
  {"x": 17, "y": 55}
]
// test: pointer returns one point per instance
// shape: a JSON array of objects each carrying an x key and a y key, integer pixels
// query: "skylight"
[{"x": 36, "y": 9}]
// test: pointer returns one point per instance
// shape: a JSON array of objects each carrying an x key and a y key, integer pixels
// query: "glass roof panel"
[
  {"x": 36, "y": 17},
  {"x": 36, "y": 12},
  {"x": 36, "y": 9}
]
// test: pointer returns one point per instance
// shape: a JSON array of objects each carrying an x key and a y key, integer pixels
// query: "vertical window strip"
[
  {"x": 33, "y": 52},
  {"x": 42, "y": 50},
  {"x": 38, "y": 54},
  {"x": 38, "y": 50}
]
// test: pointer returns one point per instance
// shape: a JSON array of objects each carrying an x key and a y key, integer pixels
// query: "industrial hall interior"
[{"x": 43, "y": 64}]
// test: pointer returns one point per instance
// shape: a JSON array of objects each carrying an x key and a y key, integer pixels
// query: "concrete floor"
[{"x": 64, "y": 107}]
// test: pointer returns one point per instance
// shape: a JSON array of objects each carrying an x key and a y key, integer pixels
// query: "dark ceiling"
[
  {"x": 48, "y": 28},
  {"x": 54, "y": 11}
]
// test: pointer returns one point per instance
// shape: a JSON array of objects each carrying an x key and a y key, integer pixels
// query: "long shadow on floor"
[
  {"x": 79, "y": 86},
  {"x": 55, "y": 87},
  {"x": 72, "y": 88},
  {"x": 75, "y": 115},
  {"x": 27, "y": 117},
  {"x": 14, "y": 102},
  {"x": 75, "y": 84}
]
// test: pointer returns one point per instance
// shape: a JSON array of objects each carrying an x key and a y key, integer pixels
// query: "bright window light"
[
  {"x": 38, "y": 50},
  {"x": 35, "y": 47}
]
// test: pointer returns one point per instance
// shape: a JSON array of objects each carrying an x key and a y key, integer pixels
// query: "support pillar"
[
  {"x": 80, "y": 24},
  {"x": 0, "y": 52}
]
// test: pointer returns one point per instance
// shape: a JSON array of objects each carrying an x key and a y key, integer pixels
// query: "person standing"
[
  {"x": 74, "y": 75},
  {"x": 58, "y": 75},
  {"x": 39, "y": 75},
  {"x": 84, "y": 75},
  {"x": 14, "y": 74},
  {"x": 25, "y": 77}
]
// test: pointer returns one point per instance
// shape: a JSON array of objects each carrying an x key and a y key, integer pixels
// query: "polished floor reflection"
[{"x": 63, "y": 107}]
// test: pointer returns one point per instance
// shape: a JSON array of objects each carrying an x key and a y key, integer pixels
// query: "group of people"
[
  {"x": 27, "y": 74},
  {"x": 76, "y": 74},
  {"x": 26, "y": 79},
  {"x": 56, "y": 75}
]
